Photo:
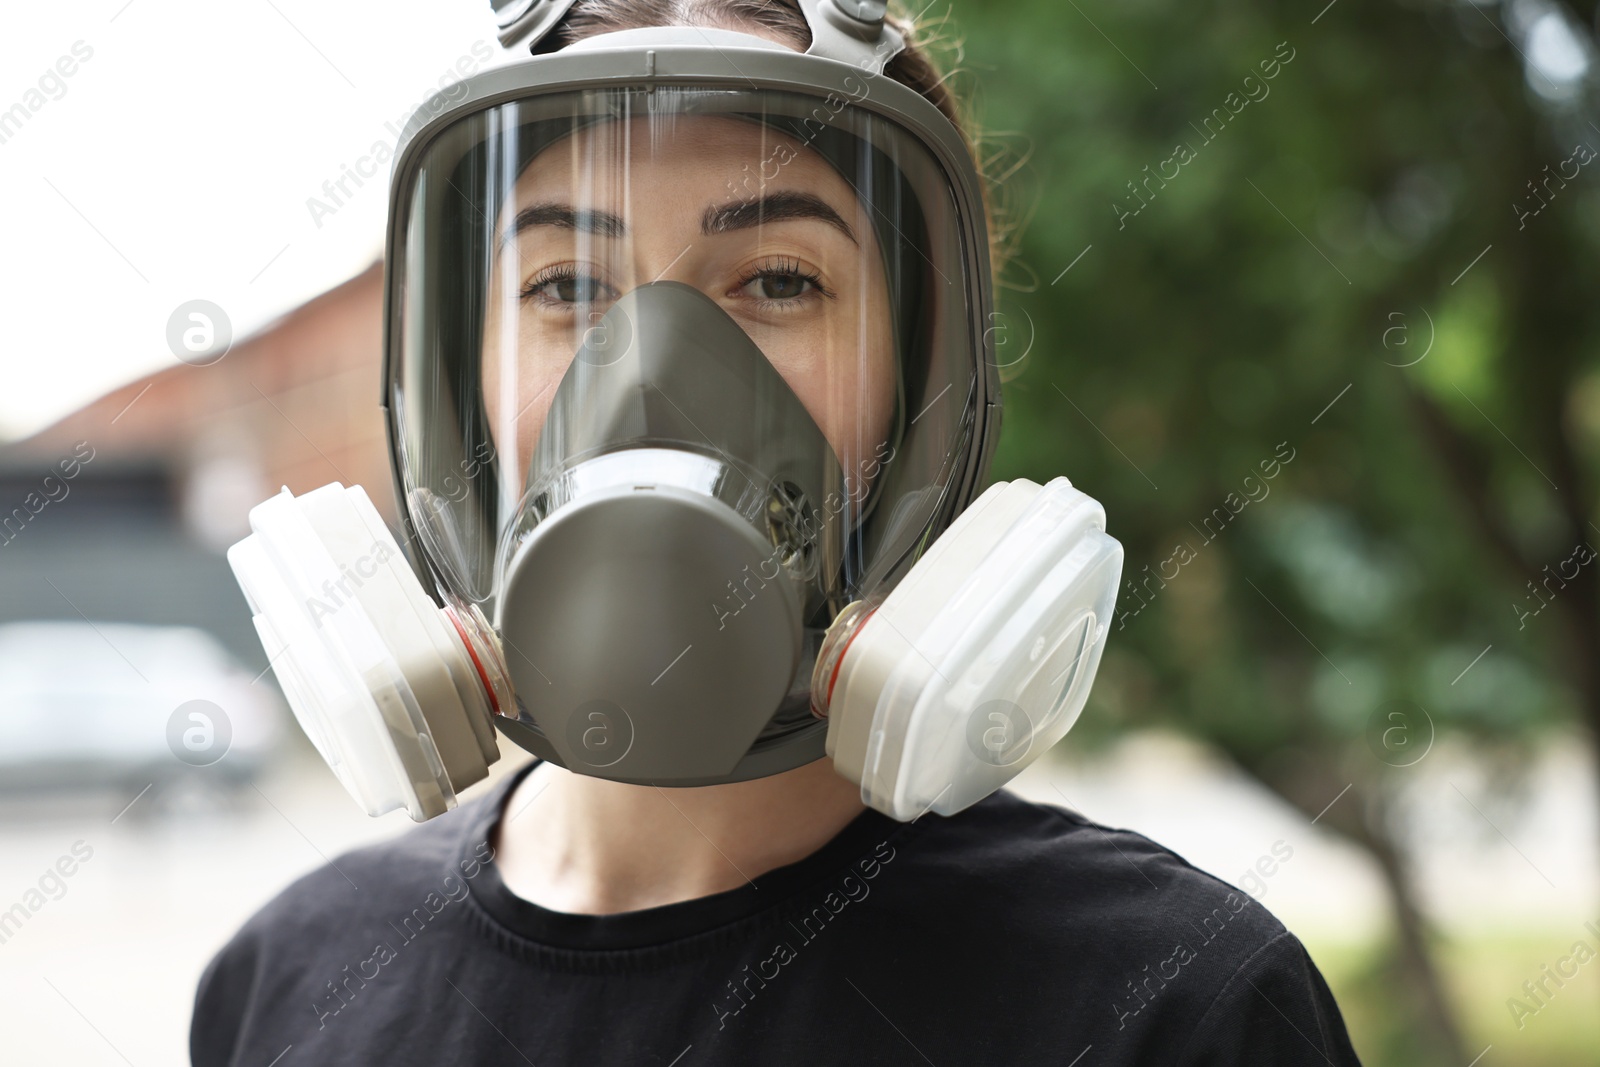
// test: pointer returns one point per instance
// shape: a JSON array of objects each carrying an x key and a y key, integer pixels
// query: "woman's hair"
[{"x": 914, "y": 66}]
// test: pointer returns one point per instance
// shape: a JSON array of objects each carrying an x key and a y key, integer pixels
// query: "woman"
[{"x": 635, "y": 316}]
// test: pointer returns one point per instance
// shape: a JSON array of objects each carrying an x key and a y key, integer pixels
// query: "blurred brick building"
[
  {"x": 295, "y": 405},
  {"x": 180, "y": 457}
]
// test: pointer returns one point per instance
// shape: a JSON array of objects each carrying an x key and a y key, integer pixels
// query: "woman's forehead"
[{"x": 713, "y": 157}]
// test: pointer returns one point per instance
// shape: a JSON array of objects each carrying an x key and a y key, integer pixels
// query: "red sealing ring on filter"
[
  {"x": 483, "y": 676},
  {"x": 833, "y": 675}
]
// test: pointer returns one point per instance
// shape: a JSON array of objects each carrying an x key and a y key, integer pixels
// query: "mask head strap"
[{"x": 849, "y": 31}]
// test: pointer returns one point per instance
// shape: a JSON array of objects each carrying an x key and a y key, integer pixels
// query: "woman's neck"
[{"x": 572, "y": 843}]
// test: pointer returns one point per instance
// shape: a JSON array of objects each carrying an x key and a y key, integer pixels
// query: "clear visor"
[{"x": 544, "y": 244}]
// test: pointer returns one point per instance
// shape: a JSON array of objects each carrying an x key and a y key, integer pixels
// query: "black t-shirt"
[{"x": 1012, "y": 933}]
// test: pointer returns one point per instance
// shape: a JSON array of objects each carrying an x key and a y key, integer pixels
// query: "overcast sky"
[{"x": 175, "y": 161}]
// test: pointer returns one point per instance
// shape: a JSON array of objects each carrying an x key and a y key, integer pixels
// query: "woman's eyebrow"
[
  {"x": 776, "y": 207},
  {"x": 566, "y": 217}
]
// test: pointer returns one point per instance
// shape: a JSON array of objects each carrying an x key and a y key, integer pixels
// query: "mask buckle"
[
  {"x": 848, "y": 31},
  {"x": 852, "y": 31}
]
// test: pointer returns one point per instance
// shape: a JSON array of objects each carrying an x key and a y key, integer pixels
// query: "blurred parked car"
[{"x": 128, "y": 705}]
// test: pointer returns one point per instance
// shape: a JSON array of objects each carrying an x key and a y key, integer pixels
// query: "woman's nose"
[{"x": 673, "y": 261}]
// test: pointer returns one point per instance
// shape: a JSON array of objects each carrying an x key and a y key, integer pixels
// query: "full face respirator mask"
[{"x": 691, "y": 393}]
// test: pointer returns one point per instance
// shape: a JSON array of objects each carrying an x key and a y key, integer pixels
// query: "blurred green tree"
[{"x": 1353, "y": 246}]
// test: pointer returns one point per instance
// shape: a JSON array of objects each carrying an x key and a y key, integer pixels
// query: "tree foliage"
[{"x": 1362, "y": 236}]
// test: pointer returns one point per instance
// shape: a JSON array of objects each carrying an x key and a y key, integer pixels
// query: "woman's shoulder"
[
  {"x": 1073, "y": 889},
  {"x": 309, "y": 939},
  {"x": 1155, "y": 954},
  {"x": 436, "y": 858},
  {"x": 1105, "y": 869}
]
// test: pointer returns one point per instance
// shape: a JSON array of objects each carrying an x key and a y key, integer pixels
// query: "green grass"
[{"x": 1482, "y": 972}]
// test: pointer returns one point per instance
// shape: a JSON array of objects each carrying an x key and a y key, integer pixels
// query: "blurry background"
[{"x": 1304, "y": 293}]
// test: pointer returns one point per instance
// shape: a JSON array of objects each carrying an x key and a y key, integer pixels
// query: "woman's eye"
[
  {"x": 567, "y": 289},
  {"x": 775, "y": 286}
]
